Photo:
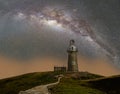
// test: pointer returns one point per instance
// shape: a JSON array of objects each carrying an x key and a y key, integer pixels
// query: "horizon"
[{"x": 13, "y": 67}]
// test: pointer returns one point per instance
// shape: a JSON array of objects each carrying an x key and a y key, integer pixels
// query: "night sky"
[{"x": 43, "y": 28}]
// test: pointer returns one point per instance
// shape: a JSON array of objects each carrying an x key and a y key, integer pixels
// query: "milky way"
[
  {"x": 57, "y": 19},
  {"x": 29, "y": 28}
]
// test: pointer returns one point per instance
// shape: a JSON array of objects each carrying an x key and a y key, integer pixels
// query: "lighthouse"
[{"x": 72, "y": 57}]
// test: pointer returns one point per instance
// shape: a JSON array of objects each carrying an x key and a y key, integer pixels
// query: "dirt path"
[{"x": 42, "y": 89}]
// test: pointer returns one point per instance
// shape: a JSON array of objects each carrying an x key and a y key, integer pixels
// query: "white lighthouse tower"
[{"x": 72, "y": 57}]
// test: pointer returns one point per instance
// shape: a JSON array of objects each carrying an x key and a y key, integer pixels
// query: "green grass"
[
  {"x": 82, "y": 75},
  {"x": 72, "y": 83},
  {"x": 72, "y": 86},
  {"x": 110, "y": 85},
  {"x": 15, "y": 84}
]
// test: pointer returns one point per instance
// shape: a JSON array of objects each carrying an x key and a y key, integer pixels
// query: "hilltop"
[
  {"x": 110, "y": 85},
  {"x": 71, "y": 83},
  {"x": 87, "y": 83},
  {"x": 23, "y": 82}
]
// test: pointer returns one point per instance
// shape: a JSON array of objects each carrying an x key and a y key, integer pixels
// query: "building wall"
[
  {"x": 62, "y": 69},
  {"x": 72, "y": 61}
]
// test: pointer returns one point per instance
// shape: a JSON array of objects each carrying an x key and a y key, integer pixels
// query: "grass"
[
  {"x": 110, "y": 85},
  {"x": 72, "y": 83},
  {"x": 72, "y": 86},
  {"x": 27, "y": 81}
]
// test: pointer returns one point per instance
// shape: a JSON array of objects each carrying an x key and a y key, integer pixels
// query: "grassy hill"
[
  {"x": 15, "y": 84},
  {"x": 110, "y": 85},
  {"x": 72, "y": 83},
  {"x": 71, "y": 86}
]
